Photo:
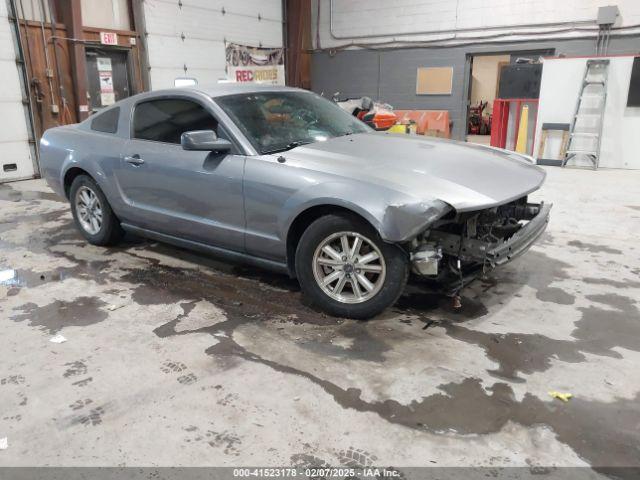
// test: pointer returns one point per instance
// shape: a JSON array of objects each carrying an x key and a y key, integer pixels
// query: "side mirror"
[{"x": 204, "y": 141}]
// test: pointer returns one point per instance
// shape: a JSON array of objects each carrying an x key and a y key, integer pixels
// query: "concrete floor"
[{"x": 173, "y": 358}]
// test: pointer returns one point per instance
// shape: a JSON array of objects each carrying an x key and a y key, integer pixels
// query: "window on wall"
[
  {"x": 109, "y": 14},
  {"x": 167, "y": 119},
  {"x": 35, "y": 10}
]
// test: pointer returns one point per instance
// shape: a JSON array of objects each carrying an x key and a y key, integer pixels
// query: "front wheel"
[{"x": 346, "y": 268}]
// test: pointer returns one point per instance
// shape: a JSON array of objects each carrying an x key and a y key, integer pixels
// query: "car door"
[{"x": 189, "y": 194}]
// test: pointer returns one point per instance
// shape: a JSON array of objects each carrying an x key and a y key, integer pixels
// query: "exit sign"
[{"x": 108, "y": 38}]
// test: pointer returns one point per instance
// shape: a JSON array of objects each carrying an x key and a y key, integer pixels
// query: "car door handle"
[{"x": 134, "y": 160}]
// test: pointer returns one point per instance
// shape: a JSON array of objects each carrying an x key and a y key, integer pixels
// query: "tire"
[
  {"x": 312, "y": 267},
  {"x": 109, "y": 232}
]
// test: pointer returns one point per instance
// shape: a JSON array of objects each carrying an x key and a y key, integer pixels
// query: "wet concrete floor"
[{"x": 173, "y": 358}]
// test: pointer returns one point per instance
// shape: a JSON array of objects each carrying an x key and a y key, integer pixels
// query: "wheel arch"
[
  {"x": 305, "y": 218},
  {"x": 70, "y": 175}
]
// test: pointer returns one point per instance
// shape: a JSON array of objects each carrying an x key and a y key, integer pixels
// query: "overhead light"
[{"x": 185, "y": 82}]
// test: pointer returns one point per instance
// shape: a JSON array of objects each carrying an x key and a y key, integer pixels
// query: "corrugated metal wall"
[
  {"x": 390, "y": 75},
  {"x": 375, "y": 21},
  {"x": 186, "y": 37}
]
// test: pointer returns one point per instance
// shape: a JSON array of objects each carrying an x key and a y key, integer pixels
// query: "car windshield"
[{"x": 278, "y": 121}]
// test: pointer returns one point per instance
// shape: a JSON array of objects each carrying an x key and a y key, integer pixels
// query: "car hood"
[{"x": 464, "y": 175}]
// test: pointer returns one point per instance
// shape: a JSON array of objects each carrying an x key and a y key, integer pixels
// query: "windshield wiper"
[{"x": 289, "y": 146}]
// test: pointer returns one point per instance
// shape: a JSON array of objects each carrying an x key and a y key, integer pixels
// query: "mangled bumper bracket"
[{"x": 495, "y": 254}]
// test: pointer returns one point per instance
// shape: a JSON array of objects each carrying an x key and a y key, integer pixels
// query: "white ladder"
[{"x": 586, "y": 142}]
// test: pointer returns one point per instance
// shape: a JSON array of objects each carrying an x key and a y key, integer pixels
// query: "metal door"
[{"x": 108, "y": 77}]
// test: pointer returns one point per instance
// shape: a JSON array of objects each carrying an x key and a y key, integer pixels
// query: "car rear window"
[{"x": 106, "y": 122}]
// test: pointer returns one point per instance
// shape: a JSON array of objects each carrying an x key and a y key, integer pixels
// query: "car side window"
[
  {"x": 165, "y": 120},
  {"x": 106, "y": 122}
]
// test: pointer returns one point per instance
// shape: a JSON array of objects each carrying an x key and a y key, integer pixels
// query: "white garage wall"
[
  {"x": 14, "y": 136},
  {"x": 407, "y": 20},
  {"x": 561, "y": 80},
  {"x": 193, "y": 34}
]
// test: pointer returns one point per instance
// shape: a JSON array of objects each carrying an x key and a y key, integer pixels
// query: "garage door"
[
  {"x": 186, "y": 38},
  {"x": 16, "y": 161}
]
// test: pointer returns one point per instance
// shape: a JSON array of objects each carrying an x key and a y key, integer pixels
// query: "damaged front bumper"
[
  {"x": 467, "y": 246},
  {"x": 498, "y": 253}
]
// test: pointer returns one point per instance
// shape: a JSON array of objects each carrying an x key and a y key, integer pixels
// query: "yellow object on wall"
[{"x": 521, "y": 143}]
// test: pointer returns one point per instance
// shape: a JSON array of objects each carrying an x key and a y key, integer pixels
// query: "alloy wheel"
[
  {"x": 349, "y": 267},
  {"x": 89, "y": 210}
]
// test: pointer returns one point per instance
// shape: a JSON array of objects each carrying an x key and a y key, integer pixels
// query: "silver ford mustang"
[{"x": 284, "y": 179}]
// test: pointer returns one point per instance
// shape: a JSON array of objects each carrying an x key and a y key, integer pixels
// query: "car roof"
[{"x": 230, "y": 88}]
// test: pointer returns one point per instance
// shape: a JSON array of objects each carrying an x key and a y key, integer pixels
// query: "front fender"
[
  {"x": 396, "y": 216},
  {"x": 404, "y": 221}
]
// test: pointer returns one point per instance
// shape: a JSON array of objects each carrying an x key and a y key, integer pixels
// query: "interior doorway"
[
  {"x": 108, "y": 76},
  {"x": 484, "y": 74},
  {"x": 485, "y": 78}
]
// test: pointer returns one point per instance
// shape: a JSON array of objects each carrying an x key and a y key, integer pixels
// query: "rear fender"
[{"x": 65, "y": 148}]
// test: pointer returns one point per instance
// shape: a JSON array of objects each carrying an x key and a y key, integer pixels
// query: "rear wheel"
[
  {"x": 92, "y": 212},
  {"x": 346, "y": 268}
]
